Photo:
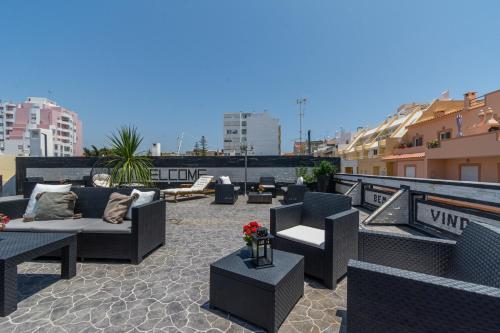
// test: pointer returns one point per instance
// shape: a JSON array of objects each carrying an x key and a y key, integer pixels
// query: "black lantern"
[{"x": 262, "y": 251}]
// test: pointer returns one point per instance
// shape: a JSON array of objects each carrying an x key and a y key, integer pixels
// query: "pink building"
[{"x": 39, "y": 127}]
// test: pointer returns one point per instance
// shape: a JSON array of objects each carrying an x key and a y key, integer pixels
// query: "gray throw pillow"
[
  {"x": 117, "y": 207},
  {"x": 54, "y": 206}
]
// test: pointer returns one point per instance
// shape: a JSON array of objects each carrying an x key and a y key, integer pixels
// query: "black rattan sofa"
[
  {"x": 226, "y": 193},
  {"x": 131, "y": 240},
  {"x": 420, "y": 284},
  {"x": 295, "y": 193},
  {"x": 333, "y": 227}
]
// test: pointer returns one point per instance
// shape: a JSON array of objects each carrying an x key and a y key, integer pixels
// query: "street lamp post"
[{"x": 244, "y": 148}]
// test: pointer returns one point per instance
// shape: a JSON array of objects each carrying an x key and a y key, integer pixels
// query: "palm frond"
[{"x": 128, "y": 165}]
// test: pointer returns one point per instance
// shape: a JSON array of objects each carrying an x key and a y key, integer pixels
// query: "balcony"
[
  {"x": 409, "y": 150},
  {"x": 478, "y": 145}
]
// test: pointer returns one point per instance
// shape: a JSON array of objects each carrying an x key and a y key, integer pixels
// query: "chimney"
[
  {"x": 309, "y": 150},
  {"x": 468, "y": 98}
]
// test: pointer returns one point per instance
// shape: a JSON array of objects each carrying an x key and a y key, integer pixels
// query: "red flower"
[
  {"x": 254, "y": 224},
  {"x": 4, "y": 219}
]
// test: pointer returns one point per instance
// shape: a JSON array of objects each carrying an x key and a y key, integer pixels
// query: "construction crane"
[{"x": 179, "y": 143}]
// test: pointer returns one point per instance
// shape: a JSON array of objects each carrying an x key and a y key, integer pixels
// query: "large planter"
[{"x": 323, "y": 184}]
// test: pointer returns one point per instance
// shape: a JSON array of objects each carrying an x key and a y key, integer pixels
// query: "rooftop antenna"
[{"x": 302, "y": 105}]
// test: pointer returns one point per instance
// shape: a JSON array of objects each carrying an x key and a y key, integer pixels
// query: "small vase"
[{"x": 248, "y": 250}]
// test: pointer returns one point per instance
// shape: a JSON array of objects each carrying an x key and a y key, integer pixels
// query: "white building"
[{"x": 258, "y": 131}]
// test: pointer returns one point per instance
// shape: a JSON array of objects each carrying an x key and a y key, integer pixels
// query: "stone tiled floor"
[{"x": 168, "y": 291}]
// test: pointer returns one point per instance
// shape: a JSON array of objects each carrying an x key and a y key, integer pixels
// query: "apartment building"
[
  {"x": 365, "y": 153},
  {"x": 39, "y": 127},
  {"x": 331, "y": 147},
  {"x": 456, "y": 140},
  {"x": 259, "y": 132}
]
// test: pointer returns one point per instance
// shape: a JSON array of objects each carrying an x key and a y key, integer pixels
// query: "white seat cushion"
[
  {"x": 225, "y": 180},
  {"x": 304, "y": 234}
]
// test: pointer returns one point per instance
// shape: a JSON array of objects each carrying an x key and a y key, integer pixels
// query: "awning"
[{"x": 415, "y": 156}]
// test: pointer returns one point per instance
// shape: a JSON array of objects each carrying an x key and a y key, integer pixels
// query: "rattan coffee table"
[
  {"x": 260, "y": 197},
  {"x": 264, "y": 296},
  {"x": 19, "y": 247}
]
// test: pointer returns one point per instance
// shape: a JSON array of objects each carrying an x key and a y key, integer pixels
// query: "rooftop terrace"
[{"x": 168, "y": 291}]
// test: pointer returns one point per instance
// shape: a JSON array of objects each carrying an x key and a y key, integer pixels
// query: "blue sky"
[{"x": 176, "y": 66}]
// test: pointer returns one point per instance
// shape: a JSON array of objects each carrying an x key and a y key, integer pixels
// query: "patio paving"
[{"x": 168, "y": 291}]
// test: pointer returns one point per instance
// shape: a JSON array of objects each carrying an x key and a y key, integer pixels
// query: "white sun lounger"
[{"x": 199, "y": 187}]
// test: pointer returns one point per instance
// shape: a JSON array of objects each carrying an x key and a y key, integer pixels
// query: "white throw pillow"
[
  {"x": 225, "y": 180},
  {"x": 39, "y": 188},
  {"x": 144, "y": 198},
  {"x": 300, "y": 181}
]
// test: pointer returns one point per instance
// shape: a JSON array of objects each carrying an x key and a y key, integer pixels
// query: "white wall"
[{"x": 263, "y": 134}]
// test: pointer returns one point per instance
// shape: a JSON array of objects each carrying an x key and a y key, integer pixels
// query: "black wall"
[{"x": 22, "y": 163}]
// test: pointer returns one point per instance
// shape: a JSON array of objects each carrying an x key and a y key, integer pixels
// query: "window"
[
  {"x": 243, "y": 131},
  {"x": 243, "y": 123},
  {"x": 419, "y": 141},
  {"x": 375, "y": 152},
  {"x": 235, "y": 131},
  {"x": 469, "y": 172},
  {"x": 445, "y": 135},
  {"x": 229, "y": 131},
  {"x": 410, "y": 171}
]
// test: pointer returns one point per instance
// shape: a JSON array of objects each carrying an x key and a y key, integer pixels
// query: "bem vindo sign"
[
  {"x": 376, "y": 198},
  {"x": 447, "y": 219}
]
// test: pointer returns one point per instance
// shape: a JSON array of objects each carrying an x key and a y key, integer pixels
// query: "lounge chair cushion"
[
  {"x": 300, "y": 181},
  {"x": 304, "y": 234},
  {"x": 202, "y": 183},
  {"x": 199, "y": 186},
  {"x": 85, "y": 225},
  {"x": 144, "y": 198},
  {"x": 178, "y": 190},
  {"x": 268, "y": 186},
  {"x": 39, "y": 188}
]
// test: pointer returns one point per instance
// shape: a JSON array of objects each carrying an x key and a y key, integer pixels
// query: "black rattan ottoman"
[
  {"x": 19, "y": 247},
  {"x": 263, "y": 297},
  {"x": 257, "y": 197}
]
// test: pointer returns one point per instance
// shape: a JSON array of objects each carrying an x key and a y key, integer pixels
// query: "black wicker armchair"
[
  {"x": 226, "y": 193},
  {"x": 420, "y": 284},
  {"x": 295, "y": 193},
  {"x": 324, "y": 229},
  {"x": 131, "y": 240},
  {"x": 269, "y": 185}
]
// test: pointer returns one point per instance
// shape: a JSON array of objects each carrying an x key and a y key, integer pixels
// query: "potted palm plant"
[
  {"x": 324, "y": 174},
  {"x": 129, "y": 166}
]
